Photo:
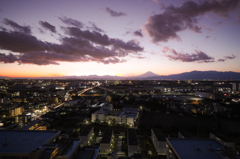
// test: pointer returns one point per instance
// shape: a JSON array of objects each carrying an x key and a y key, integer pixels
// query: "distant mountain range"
[{"x": 152, "y": 76}]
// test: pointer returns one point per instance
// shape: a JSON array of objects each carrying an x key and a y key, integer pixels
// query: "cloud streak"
[
  {"x": 198, "y": 56},
  {"x": 17, "y": 27},
  {"x": 114, "y": 13},
  {"x": 227, "y": 58},
  {"x": 48, "y": 26},
  {"x": 165, "y": 26},
  {"x": 71, "y": 22}
]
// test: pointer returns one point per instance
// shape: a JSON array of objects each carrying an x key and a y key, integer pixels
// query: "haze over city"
[{"x": 55, "y": 38}]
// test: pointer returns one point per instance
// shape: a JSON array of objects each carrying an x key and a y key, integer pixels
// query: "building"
[
  {"x": 186, "y": 148},
  {"x": 132, "y": 142},
  {"x": 86, "y": 135},
  {"x": 218, "y": 108},
  {"x": 88, "y": 152},
  {"x": 25, "y": 144},
  {"x": 159, "y": 141},
  {"x": 31, "y": 144},
  {"x": 184, "y": 134},
  {"x": 125, "y": 116},
  {"x": 105, "y": 144},
  {"x": 223, "y": 140},
  {"x": 23, "y": 120}
]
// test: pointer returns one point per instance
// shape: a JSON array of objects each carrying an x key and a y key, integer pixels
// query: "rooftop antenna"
[
  {"x": 5, "y": 142},
  {"x": 198, "y": 148}
]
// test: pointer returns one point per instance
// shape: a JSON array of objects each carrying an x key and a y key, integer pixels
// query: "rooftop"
[
  {"x": 107, "y": 135},
  {"x": 222, "y": 137},
  {"x": 196, "y": 148},
  {"x": 86, "y": 131},
  {"x": 159, "y": 134},
  {"x": 90, "y": 152},
  {"x": 24, "y": 141},
  {"x": 132, "y": 137}
]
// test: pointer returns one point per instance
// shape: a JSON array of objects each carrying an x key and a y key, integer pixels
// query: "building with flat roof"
[
  {"x": 86, "y": 135},
  {"x": 105, "y": 144},
  {"x": 189, "y": 148},
  {"x": 126, "y": 116},
  {"x": 184, "y": 134},
  {"x": 25, "y": 144},
  {"x": 159, "y": 141},
  {"x": 88, "y": 152},
  {"x": 222, "y": 139},
  {"x": 132, "y": 142},
  {"x": 31, "y": 144}
]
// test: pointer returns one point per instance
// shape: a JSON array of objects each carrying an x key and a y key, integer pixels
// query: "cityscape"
[{"x": 139, "y": 79}]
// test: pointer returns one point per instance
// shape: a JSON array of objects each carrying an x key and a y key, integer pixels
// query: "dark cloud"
[
  {"x": 17, "y": 27},
  {"x": 81, "y": 46},
  {"x": 114, "y": 13},
  {"x": 164, "y": 26},
  {"x": 20, "y": 42},
  {"x": 98, "y": 38},
  {"x": 207, "y": 37},
  {"x": 2, "y": 28},
  {"x": 93, "y": 36},
  {"x": 95, "y": 28},
  {"x": 238, "y": 18},
  {"x": 131, "y": 45},
  {"x": 138, "y": 33},
  {"x": 198, "y": 56},
  {"x": 227, "y": 58},
  {"x": 51, "y": 58},
  {"x": 71, "y": 22},
  {"x": 48, "y": 26},
  {"x": 7, "y": 58}
]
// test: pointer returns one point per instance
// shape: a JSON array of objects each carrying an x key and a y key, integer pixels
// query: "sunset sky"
[{"x": 43, "y": 38}]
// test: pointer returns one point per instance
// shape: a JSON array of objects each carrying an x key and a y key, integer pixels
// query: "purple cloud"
[
  {"x": 17, "y": 27},
  {"x": 81, "y": 46},
  {"x": 164, "y": 26},
  {"x": 71, "y": 22},
  {"x": 95, "y": 28},
  {"x": 227, "y": 58},
  {"x": 138, "y": 33},
  {"x": 7, "y": 58},
  {"x": 238, "y": 18},
  {"x": 198, "y": 56},
  {"x": 20, "y": 42},
  {"x": 114, "y": 13},
  {"x": 104, "y": 40},
  {"x": 48, "y": 26}
]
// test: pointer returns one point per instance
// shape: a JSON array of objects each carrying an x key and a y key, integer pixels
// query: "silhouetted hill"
[
  {"x": 200, "y": 75},
  {"x": 152, "y": 76}
]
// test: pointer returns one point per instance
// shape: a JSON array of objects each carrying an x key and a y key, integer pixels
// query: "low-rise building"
[
  {"x": 126, "y": 116},
  {"x": 86, "y": 135},
  {"x": 132, "y": 142},
  {"x": 159, "y": 141},
  {"x": 222, "y": 139},
  {"x": 185, "y": 148},
  {"x": 105, "y": 144}
]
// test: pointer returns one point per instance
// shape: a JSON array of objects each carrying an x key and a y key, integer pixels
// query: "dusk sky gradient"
[{"x": 43, "y": 38}]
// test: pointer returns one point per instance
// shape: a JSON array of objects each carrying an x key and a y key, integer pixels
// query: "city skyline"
[{"x": 67, "y": 38}]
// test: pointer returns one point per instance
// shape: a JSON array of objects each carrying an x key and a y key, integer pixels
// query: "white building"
[
  {"x": 132, "y": 142},
  {"x": 159, "y": 141},
  {"x": 106, "y": 114},
  {"x": 86, "y": 135},
  {"x": 106, "y": 143}
]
